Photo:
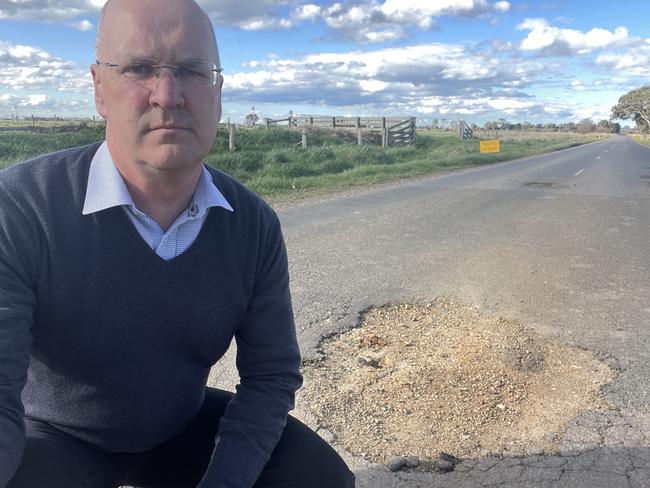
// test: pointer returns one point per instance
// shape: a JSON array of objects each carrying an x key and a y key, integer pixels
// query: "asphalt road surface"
[{"x": 559, "y": 242}]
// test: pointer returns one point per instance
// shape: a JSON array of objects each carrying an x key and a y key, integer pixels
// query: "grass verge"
[
  {"x": 642, "y": 140},
  {"x": 272, "y": 164}
]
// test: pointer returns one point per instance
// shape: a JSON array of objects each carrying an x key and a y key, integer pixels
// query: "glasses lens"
[
  {"x": 192, "y": 75},
  {"x": 196, "y": 74}
]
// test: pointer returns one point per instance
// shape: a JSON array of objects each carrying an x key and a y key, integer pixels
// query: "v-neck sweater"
[{"x": 112, "y": 344}]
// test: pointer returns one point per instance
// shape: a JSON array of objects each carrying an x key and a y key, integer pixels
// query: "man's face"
[{"x": 161, "y": 124}]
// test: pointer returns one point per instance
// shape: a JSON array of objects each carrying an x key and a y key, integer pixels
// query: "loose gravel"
[{"x": 417, "y": 380}]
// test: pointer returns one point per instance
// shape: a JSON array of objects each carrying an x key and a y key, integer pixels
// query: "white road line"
[
  {"x": 578, "y": 173},
  {"x": 598, "y": 157}
]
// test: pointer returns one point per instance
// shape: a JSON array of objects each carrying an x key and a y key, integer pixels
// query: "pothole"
[{"x": 421, "y": 379}]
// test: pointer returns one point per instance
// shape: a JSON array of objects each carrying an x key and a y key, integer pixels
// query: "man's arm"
[
  {"x": 16, "y": 309},
  {"x": 268, "y": 360}
]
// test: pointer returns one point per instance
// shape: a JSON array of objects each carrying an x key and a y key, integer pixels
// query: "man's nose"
[{"x": 166, "y": 90}]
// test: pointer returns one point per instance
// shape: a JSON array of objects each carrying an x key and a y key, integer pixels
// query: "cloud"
[
  {"x": 48, "y": 10},
  {"x": 82, "y": 25},
  {"x": 40, "y": 104},
  {"x": 405, "y": 80},
  {"x": 556, "y": 41},
  {"x": 373, "y": 22},
  {"x": 27, "y": 67},
  {"x": 368, "y": 21},
  {"x": 578, "y": 85},
  {"x": 502, "y": 7},
  {"x": 635, "y": 62}
]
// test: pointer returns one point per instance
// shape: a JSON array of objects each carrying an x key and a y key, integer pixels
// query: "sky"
[{"x": 476, "y": 60}]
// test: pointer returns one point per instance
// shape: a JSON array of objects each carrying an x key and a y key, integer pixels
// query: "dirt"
[{"x": 421, "y": 379}]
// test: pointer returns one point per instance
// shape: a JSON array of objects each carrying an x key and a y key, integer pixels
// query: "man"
[{"x": 125, "y": 270}]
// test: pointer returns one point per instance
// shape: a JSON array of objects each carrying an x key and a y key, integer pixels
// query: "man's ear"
[{"x": 99, "y": 91}]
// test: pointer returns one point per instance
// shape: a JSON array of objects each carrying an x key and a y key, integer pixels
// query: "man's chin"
[{"x": 173, "y": 157}]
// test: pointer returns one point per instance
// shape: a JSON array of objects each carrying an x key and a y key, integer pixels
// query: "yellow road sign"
[{"x": 491, "y": 146}]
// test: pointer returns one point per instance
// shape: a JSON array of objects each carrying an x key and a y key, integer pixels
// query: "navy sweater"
[{"x": 113, "y": 344}]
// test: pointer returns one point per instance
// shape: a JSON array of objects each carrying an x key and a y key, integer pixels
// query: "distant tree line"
[{"x": 583, "y": 127}]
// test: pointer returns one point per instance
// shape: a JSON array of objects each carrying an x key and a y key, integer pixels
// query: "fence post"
[
  {"x": 34, "y": 122},
  {"x": 413, "y": 131},
  {"x": 333, "y": 122},
  {"x": 304, "y": 138},
  {"x": 359, "y": 133},
  {"x": 311, "y": 120},
  {"x": 384, "y": 133},
  {"x": 231, "y": 137},
  {"x": 268, "y": 123}
]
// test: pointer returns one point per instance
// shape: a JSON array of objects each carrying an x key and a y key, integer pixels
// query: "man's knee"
[{"x": 303, "y": 458}]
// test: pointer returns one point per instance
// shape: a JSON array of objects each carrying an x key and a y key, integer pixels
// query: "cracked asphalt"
[{"x": 559, "y": 242}]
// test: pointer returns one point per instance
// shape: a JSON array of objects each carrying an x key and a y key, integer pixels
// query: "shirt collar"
[{"x": 106, "y": 187}]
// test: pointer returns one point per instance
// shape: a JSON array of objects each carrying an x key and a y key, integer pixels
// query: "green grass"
[
  {"x": 272, "y": 163},
  {"x": 645, "y": 140},
  {"x": 23, "y": 145}
]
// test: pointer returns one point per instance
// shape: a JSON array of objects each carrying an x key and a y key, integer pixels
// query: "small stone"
[
  {"x": 443, "y": 466},
  {"x": 552, "y": 437},
  {"x": 412, "y": 461},
  {"x": 445, "y": 456},
  {"x": 396, "y": 463}
]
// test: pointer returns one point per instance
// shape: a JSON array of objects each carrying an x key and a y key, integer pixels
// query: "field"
[{"x": 272, "y": 163}]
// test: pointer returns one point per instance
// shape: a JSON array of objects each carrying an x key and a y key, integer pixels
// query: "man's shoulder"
[
  {"x": 51, "y": 179},
  {"x": 42, "y": 169}
]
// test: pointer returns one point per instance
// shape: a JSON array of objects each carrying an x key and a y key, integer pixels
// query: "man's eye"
[
  {"x": 184, "y": 72},
  {"x": 138, "y": 70}
]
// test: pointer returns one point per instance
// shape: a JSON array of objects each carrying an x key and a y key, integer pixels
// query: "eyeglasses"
[{"x": 191, "y": 74}]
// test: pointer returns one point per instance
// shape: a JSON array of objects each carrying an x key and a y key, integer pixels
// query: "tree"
[
  {"x": 616, "y": 128},
  {"x": 634, "y": 105},
  {"x": 604, "y": 125},
  {"x": 585, "y": 126}
]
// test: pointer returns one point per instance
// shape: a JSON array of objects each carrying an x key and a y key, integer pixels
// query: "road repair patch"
[{"x": 421, "y": 379}]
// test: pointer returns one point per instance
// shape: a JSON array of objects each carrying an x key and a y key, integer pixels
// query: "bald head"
[{"x": 154, "y": 15}]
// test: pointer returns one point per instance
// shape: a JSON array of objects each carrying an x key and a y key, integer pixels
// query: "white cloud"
[
  {"x": 359, "y": 20},
  {"x": 635, "y": 62},
  {"x": 411, "y": 9},
  {"x": 502, "y": 7},
  {"x": 262, "y": 23},
  {"x": 82, "y": 25},
  {"x": 306, "y": 12},
  {"x": 48, "y": 10},
  {"x": 543, "y": 36},
  {"x": 40, "y": 104},
  {"x": 28, "y": 67},
  {"x": 578, "y": 85},
  {"x": 372, "y": 86},
  {"x": 373, "y": 21},
  {"x": 427, "y": 79}
]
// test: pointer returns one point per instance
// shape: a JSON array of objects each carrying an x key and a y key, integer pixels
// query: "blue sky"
[{"x": 478, "y": 60}]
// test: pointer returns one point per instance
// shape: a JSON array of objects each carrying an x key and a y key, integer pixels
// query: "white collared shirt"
[{"x": 106, "y": 188}]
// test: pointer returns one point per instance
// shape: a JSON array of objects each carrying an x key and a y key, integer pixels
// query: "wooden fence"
[{"x": 395, "y": 131}]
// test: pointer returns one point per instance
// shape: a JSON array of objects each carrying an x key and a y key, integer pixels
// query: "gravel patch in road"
[{"x": 444, "y": 377}]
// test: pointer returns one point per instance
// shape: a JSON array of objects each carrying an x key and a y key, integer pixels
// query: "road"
[{"x": 559, "y": 242}]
